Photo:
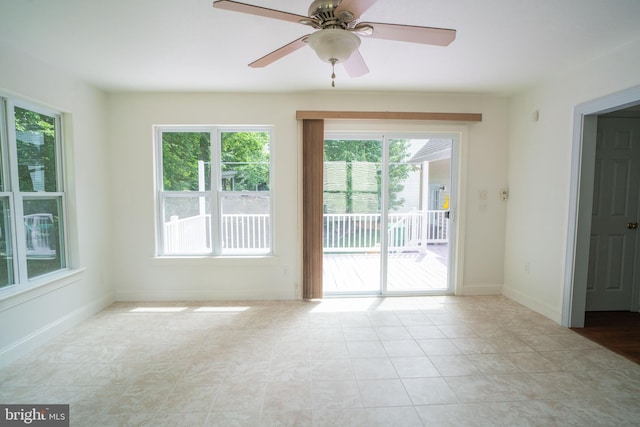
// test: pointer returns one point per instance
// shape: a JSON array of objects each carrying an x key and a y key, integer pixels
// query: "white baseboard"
[
  {"x": 533, "y": 303},
  {"x": 48, "y": 332},
  {"x": 205, "y": 295},
  {"x": 481, "y": 289}
]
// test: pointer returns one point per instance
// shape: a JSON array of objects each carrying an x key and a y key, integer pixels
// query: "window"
[
  {"x": 32, "y": 197},
  {"x": 214, "y": 190}
]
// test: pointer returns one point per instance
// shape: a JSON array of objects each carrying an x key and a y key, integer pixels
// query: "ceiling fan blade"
[
  {"x": 412, "y": 34},
  {"x": 279, "y": 53},
  {"x": 357, "y": 7},
  {"x": 257, "y": 10},
  {"x": 355, "y": 65}
]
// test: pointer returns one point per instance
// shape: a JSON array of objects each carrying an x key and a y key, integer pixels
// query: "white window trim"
[
  {"x": 214, "y": 194},
  {"x": 25, "y": 288}
]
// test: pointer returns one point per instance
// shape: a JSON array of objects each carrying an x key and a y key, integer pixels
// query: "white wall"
[
  {"x": 139, "y": 276},
  {"x": 539, "y": 174},
  {"x": 34, "y": 317}
]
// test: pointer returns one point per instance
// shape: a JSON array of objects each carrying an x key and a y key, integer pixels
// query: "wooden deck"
[{"x": 407, "y": 272}]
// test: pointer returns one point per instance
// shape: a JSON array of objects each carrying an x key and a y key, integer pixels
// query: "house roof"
[
  {"x": 433, "y": 149},
  {"x": 176, "y": 45}
]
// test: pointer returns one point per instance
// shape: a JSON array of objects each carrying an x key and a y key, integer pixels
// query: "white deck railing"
[
  {"x": 239, "y": 232},
  {"x": 187, "y": 235},
  {"x": 38, "y": 228},
  {"x": 342, "y": 232},
  {"x": 407, "y": 231},
  {"x": 250, "y": 231}
]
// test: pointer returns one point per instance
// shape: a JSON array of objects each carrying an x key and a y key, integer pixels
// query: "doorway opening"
[
  {"x": 387, "y": 204},
  {"x": 583, "y": 195},
  {"x": 614, "y": 215}
]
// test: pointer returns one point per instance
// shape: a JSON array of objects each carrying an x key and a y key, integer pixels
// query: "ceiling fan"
[{"x": 338, "y": 24}]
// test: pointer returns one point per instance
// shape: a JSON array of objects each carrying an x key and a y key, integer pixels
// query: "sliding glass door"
[
  {"x": 352, "y": 215},
  {"x": 417, "y": 221},
  {"x": 386, "y": 214}
]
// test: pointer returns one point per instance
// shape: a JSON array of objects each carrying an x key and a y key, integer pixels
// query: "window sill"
[{"x": 19, "y": 294}]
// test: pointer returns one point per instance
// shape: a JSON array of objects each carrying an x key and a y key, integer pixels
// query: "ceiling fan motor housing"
[{"x": 324, "y": 12}]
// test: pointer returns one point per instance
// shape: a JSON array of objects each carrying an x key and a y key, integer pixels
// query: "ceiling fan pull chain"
[{"x": 333, "y": 73}]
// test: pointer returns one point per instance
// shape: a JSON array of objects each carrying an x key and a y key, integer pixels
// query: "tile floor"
[{"x": 422, "y": 361}]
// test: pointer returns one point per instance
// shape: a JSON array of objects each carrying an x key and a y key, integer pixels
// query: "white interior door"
[{"x": 613, "y": 248}]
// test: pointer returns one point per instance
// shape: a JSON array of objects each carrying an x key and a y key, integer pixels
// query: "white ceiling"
[{"x": 186, "y": 45}]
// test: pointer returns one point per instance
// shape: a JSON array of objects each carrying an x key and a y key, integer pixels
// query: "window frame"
[
  {"x": 11, "y": 191},
  {"x": 214, "y": 195}
]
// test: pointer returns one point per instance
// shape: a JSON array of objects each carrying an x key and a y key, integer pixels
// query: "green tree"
[
  {"x": 247, "y": 155},
  {"x": 36, "y": 146},
  {"x": 181, "y": 152},
  {"x": 370, "y": 151},
  {"x": 398, "y": 170}
]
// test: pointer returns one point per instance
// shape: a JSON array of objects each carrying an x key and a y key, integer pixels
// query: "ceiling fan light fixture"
[
  {"x": 333, "y": 45},
  {"x": 338, "y": 24}
]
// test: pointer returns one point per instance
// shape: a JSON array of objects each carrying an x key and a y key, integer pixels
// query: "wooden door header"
[{"x": 389, "y": 115}]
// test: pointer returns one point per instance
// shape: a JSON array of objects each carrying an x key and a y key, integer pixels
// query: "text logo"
[{"x": 34, "y": 415}]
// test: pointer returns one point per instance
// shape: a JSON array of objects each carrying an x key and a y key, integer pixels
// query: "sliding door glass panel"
[
  {"x": 419, "y": 181},
  {"x": 352, "y": 216}
]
